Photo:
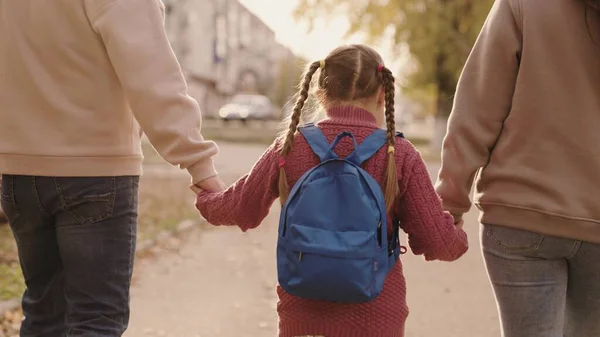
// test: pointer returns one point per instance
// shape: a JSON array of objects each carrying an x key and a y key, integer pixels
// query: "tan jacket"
[
  {"x": 526, "y": 118},
  {"x": 76, "y": 78}
]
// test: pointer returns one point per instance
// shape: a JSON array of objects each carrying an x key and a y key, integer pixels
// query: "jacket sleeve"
[
  {"x": 431, "y": 230},
  {"x": 134, "y": 35},
  {"x": 482, "y": 103},
  {"x": 247, "y": 202}
]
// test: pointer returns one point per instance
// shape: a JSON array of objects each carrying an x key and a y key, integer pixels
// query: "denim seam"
[
  {"x": 60, "y": 194},
  {"x": 111, "y": 208},
  {"x": 37, "y": 196},
  {"x": 10, "y": 196},
  {"x": 131, "y": 244},
  {"x": 69, "y": 326},
  {"x": 531, "y": 248},
  {"x": 575, "y": 250}
]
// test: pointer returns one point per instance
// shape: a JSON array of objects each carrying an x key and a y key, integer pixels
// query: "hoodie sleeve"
[
  {"x": 431, "y": 231},
  {"x": 134, "y": 35},
  {"x": 482, "y": 103}
]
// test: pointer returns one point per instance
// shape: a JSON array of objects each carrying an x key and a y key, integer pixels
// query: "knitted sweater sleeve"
[
  {"x": 431, "y": 230},
  {"x": 247, "y": 202}
]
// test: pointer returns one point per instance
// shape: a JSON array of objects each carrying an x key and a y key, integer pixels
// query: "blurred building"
[{"x": 225, "y": 49}]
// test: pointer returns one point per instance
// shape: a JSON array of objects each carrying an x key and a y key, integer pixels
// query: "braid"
[
  {"x": 391, "y": 180},
  {"x": 294, "y": 121}
]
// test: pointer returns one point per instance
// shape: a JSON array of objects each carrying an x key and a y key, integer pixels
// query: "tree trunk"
[
  {"x": 444, "y": 106},
  {"x": 446, "y": 86}
]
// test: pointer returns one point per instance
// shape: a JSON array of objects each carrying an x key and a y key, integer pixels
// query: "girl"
[
  {"x": 526, "y": 118},
  {"x": 357, "y": 92}
]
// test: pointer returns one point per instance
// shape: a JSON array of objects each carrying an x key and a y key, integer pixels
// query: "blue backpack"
[{"x": 333, "y": 242}]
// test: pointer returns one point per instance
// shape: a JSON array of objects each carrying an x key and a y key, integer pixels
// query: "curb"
[{"x": 182, "y": 227}]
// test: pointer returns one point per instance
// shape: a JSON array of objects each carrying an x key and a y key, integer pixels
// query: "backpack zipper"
[{"x": 300, "y": 257}]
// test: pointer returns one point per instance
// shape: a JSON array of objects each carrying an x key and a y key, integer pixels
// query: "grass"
[
  {"x": 11, "y": 281},
  {"x": 164, "y": 202}
]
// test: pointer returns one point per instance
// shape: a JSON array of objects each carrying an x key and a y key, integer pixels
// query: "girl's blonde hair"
[{"x": 350, "y": 73}]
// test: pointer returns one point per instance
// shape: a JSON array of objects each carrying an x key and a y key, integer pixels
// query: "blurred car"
[{"x": 248, "y": 107}]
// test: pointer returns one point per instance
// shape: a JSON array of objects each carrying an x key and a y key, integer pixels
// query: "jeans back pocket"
[
  {"x": 87, "y": 199},
  {"x": 513, "y": 240}
]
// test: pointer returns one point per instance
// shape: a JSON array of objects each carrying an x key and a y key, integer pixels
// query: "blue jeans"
[
  {"x": 544, "y": 286},
  {"x": 76, "y": 241}
]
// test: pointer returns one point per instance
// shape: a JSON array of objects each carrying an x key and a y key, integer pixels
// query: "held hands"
[
  {"x": 458, "y": 221},
  {"x": 459, "y": 224},
  {"x": 214, "y": 184}
]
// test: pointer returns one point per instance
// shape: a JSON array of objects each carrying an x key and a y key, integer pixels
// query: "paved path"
[{"x": 220, "y": 282}]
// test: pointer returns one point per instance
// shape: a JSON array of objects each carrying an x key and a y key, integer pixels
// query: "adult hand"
[
  {"x": 214, "y": 184},
  {"x": 457, "y": 217}
]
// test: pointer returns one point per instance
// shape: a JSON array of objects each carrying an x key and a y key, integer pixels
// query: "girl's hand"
[{"x": 214, "y": 184}]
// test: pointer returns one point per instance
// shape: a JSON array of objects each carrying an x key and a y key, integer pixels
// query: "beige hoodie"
[
  {"x": 526, "y": 118},
  {"x": 76, "y": 78}
]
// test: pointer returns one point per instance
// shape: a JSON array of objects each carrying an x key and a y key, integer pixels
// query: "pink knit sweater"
[{"x": 431, "y": 231}]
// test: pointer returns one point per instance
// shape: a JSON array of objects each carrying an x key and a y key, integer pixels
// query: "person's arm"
[
  {"x": 431, "y": 231},
  {"x": 482, "y": 103},
  {"x": 247, "y": 202},
  {"x": 136, "y": 41}
]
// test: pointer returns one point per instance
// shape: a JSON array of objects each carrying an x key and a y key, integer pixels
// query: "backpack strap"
[
  {"x": 370, "y": 145},
  {"x": 373, "y": 143},
  {"x": 316, "y": 140}
]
